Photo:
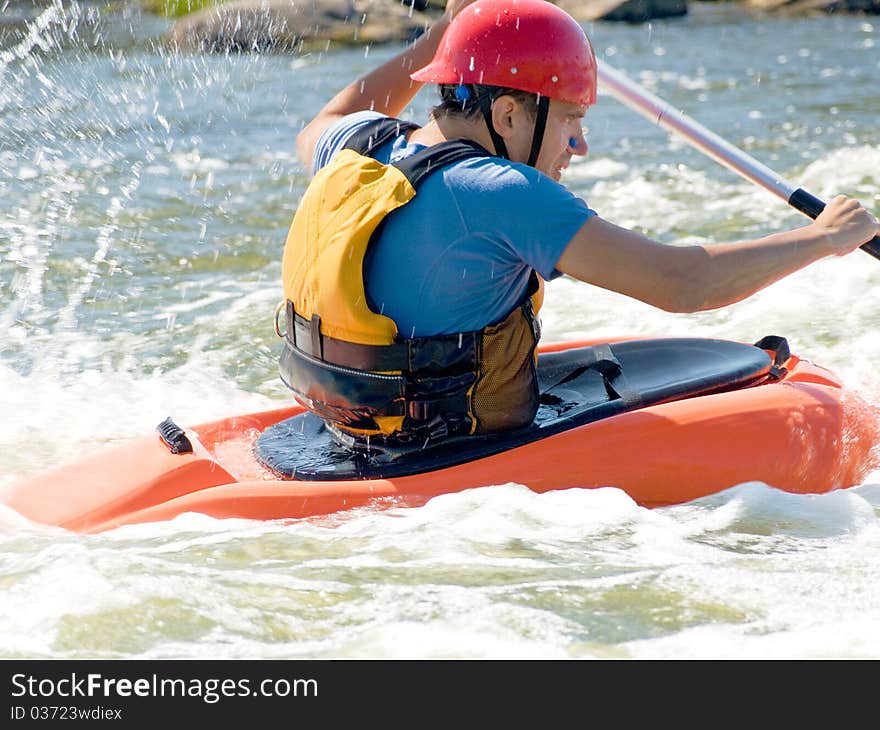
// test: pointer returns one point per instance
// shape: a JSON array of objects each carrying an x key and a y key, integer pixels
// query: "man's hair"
[{"x": 452, "y": 104}]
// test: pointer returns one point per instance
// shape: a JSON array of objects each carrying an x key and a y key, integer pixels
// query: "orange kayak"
[{"x": 667, "y": 420}]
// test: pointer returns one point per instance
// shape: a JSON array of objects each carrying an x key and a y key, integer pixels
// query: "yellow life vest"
[{"x": 348, "y": 363}]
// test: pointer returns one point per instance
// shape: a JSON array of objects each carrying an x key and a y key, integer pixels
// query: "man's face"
[{"x": 563, "y": 137}]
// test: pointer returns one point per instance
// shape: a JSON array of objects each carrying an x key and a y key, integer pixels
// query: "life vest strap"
[
  {"x": 376, "y": 133},
  {"x": 418, "y": 166},
  {"x": 421, "y": 164}
]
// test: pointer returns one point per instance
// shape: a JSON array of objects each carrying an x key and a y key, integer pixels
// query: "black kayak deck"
[{"x": 577, "y": 386}]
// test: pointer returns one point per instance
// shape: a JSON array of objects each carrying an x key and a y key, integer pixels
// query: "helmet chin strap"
[
  {"x": 486, "y": 107},
  {"x": 537, "y": 135},
  {"x": 540, "y": 124}
]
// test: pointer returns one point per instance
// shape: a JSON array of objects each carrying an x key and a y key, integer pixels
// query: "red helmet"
[{"x": 531, "y": 45}]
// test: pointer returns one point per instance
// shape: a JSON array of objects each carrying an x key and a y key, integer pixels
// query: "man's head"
[{"x": 496, "y": 48}]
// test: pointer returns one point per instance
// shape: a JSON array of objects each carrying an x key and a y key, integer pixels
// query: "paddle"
[{"x": 657, "y": 111}]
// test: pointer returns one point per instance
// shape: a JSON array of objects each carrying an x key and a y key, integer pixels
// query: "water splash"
[
  {"x": 36, "y": 37},
  {"x": 104, "y": 239}
]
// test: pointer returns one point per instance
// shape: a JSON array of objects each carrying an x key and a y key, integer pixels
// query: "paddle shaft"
[{"x": 658, "y": 111}]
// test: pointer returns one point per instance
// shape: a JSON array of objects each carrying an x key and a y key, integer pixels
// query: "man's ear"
[{"x": 504, "y": 109}]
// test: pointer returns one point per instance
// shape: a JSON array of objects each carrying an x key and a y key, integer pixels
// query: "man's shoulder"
[
  {"x": 337, "y": 134},
  {"x": 492, "y": 174}
]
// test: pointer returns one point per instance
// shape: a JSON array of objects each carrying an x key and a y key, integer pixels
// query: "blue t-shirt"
[{"x": 458, "y": 256}]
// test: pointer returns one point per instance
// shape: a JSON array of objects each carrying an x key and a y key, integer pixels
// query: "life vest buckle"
[
  {"x": 316, "y": 339},
  {"x": 421, "y": 410},
  {"x": 437, "y": 428},
  {"x": 427, "y": 420},
  {"x": 281, "y": 307}
]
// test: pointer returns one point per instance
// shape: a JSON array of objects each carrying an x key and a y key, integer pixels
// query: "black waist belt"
[
  {"x": 437, "y": 354},
  {"x": 305, "y": 335}
]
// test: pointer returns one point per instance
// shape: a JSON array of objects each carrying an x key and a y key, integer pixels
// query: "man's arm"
[
  {"x": 696, "y": 278},
  {"x": 387, "y": 89}
]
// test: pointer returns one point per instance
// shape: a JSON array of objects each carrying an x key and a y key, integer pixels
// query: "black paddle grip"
[{"x": 812, "y": 206}]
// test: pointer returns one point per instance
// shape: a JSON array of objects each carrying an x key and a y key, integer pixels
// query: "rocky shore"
[
  {"x": 243, "y": 25},
  {"x": 306, "y": 25}
]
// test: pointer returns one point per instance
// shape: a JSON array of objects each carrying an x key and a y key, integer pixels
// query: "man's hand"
[{"x": 846, "y": 225}]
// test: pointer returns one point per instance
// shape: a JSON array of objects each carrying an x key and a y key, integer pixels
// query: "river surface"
[{"x": 144, "y": 202}]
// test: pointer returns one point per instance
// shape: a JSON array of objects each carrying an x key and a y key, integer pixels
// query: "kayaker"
[{"x": 413, "y": 316}]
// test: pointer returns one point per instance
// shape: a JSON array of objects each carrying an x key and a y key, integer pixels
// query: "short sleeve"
[
  {"x": 337, "y": 134},
  {"x": 536, "y": 216}
]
